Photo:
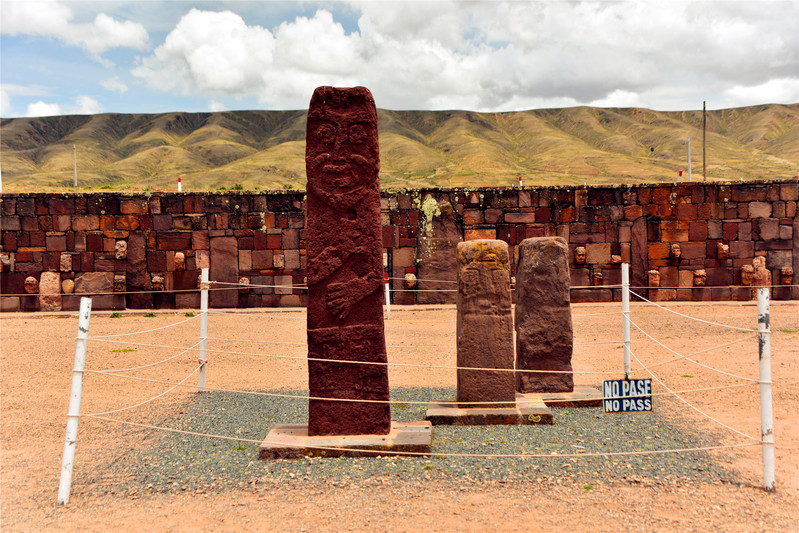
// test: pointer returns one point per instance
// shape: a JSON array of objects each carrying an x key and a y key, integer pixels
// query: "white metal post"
[
  {"x": 203, "y": 325},
  {"x": 625, "y": 312},
  {"x": 766, "y": 416},
  {"x": 388, "y": 297},
  {"x": 73, "y": 413}
]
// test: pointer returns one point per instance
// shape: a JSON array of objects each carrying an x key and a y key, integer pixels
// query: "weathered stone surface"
[
  {"x": 119, "y": 283},
  {"x": 485, "y": 326},
  {"x": 137, "y": 278},
  {"x": 31, "y": 285},
  {"x": 50, "y": 291},
  {"x": 345, "y": 269},
  {"x": 544, "y": 337},
  {"x": 94, "y": 282},
  {"x": 225, "y": 268},
  {"x": 439, "y": 235},
  {"x": 120, "y": 250},
  {"x": 68, "y": 286}
]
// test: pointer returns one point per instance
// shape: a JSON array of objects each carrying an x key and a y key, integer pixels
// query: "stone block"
[
  {"x": 484, "y": 325},
  {"x": 94, "y": 283},
  {"x": 759, "y": 209},
  {"x": 481, "y": 233},
  {"x": 597, "y": 253},
  {"x": 544, "y": 338},
  {"x": 224, "y": 267},
  {"x": 50, "y": 291}
]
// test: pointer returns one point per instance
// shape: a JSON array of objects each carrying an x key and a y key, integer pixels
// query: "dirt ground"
[{"x": 36, "y": 359}]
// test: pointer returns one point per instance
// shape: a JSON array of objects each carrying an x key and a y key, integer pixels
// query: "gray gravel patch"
[{"x": 162, "y": 462}]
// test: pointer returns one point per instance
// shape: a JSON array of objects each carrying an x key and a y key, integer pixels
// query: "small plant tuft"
[
  {"x": 122, "y": 350},
  {"x": 237, "y": 187},
  {"x": 189, "y": 314},
  {"x": 588, "y": 487},
  {"x": 116, "y": 315},
  {"x": 149, "y": 314}
]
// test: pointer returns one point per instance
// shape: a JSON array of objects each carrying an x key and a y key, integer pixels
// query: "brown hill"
[{"x": 265, "y": 149}]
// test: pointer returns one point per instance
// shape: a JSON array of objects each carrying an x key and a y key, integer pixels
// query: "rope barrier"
[
  {"x": 151, "y": 399},
  {"x": 146, "y": 331},
  {"x": 703, "y": 351},
  {"x": 410, "y": 402},
  {"x": 376, "y": 363},
  {"x": 145, "y": 366},
  {"x": 690, "y": 404},
  {"x": 691, "y": 317},
  {"x": 428, "y": 454},
  {"x": 686, "y": 357}
]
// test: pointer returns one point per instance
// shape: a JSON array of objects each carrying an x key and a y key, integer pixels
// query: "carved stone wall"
[{"x": 719, "y": 227}]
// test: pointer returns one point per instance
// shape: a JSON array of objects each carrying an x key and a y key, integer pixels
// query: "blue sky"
[{"x": 63, "y": 57}]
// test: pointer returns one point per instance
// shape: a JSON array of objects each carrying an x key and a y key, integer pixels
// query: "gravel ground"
[{"x": 172, "y": 462}]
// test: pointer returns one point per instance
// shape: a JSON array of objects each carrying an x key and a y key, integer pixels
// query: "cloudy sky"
[{"x": 66, "y": 57}]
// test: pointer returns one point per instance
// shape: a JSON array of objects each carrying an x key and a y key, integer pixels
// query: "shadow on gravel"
[{"x": 164, "y": 462}]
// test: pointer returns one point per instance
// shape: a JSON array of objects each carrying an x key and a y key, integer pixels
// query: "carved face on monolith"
[
  {"x": 345, "y": 266},
  {"x": 342, "y": 154}
]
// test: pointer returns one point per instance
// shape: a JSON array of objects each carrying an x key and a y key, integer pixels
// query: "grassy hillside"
[{"x": 266, "y": 149}]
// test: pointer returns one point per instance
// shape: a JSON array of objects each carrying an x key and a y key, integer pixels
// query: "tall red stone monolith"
[
  {"x": 485, "y": 325},
  {"x": 544, "y": 337},
  {"x": 345, "y": 266}
]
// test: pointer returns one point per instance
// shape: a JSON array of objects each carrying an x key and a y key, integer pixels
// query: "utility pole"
[
  {"x": 75, "y": 162},
  {"x": 704, "y": 141},
  {"x": 689, "y": 160}
]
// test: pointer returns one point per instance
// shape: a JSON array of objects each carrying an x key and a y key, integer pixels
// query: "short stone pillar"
[
  {"x": 485, "y": 325},
  {"x": 544, "y": 337}
]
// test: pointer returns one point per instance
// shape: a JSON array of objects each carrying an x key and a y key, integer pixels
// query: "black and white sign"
[{"x": 627, "y": 396}]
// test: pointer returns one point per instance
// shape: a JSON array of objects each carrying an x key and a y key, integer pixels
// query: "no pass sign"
[{"x": 627, "y": 396}]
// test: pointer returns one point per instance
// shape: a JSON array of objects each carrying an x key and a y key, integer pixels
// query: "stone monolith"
[
  {"x": 345, "y": 268},
  {"x": 485, "y": 325},
  {"x": 544, "y": 337}
]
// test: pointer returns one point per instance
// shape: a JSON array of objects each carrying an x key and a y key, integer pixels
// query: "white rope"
[
  {"x": 143, "y": 332},
  {"x": 683, "y": 400},
  {"x": 427, "y": 454},
  {"x": 273, "y": 314},
  {"x": 685, "y": 357},
  {"x": 306, "y": 344},
  {"x": 376, "y": 363},
  {"x": 151, "y": 399},
  {"x": 145, "y": 366},
  {"x": 703, "y": 351},
  {"x": 429, "y": 280},
  {"x": 414, "y": 402},
  {"x": 255, "y": 285},
  {"x": 693, "y": 318}
]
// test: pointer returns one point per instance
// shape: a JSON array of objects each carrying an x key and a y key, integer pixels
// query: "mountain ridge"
[{"x": 266, "y": 149}]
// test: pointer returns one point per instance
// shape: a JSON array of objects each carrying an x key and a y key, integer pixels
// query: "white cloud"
[
  {"x": 83, "y": 105},
  {"x": 50, "y": 18},
  {"x": 619, "y": 98},
  {"x": 115, "y": 85},
  {"x": 43, "y": 109},
  {"x": 215, "y": 106},
  {"x": 477, "y": 55},
  {"x": 780, "y": 90},
  {"x": 6, "y": 110},
  {"x": 86, "y": 105}
]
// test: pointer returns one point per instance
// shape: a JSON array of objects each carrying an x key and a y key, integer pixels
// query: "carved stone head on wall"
[{"x": 579, "y": 255}]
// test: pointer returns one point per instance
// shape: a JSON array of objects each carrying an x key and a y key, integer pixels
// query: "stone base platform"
[
  {"x": 527, "y": 411},
  {"x": 291, "y": 441},
  {"x": 580, "y": 397}
]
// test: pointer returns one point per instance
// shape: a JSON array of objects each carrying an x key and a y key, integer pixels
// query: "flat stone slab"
[
  {"x": 291, "y": 441},
  {"x": 528, "y": 411},
  {"x": 580, "y": 397}
]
